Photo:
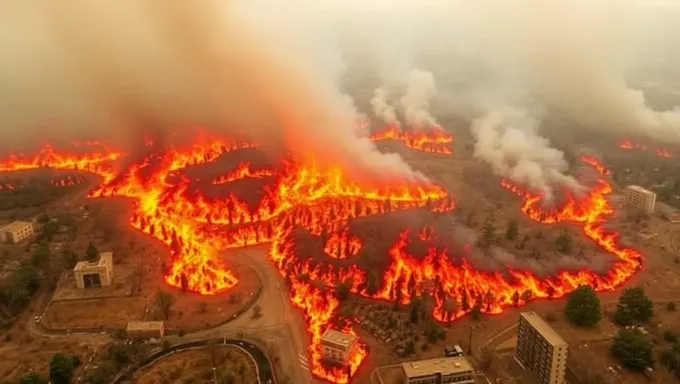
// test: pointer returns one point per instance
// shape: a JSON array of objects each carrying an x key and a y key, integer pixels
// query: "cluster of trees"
[
  {"x": 563, "y": 243},
  {"x": 31, "y": 194},
  {"x": 16, "y": 293},
  {"x": 61, "y": 371},
  {"x": 630, "y": 346}
]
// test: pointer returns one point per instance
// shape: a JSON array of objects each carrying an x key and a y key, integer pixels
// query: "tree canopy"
[
  {"x": 61, "y": 369},
  {"x": 92, "y": 252},
  {"x": 583, "y": 307},
  {"x": 512, "y": 231},
  {"x": 633, "y": 307},
  {"x": 32, "y": 378},
  {"x": 633, "y": 349}
]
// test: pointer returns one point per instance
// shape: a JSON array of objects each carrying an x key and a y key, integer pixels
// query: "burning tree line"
[{"x": 323, "y": 202}]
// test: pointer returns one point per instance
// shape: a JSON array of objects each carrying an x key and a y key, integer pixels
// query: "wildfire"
[
  {"x": 323, "y": 202},
  {"x": 435, "y": 140},
  {"x": 661, "y": 152},
  {"x": 242, "y": 171}
]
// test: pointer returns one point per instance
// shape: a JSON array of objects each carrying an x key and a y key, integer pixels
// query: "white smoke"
[
  {"x": 420, "y": 89},
  {"x": 382, "y": 108},
  {"x": 259, "y": 69},
  {"x": 507, "y": 139}
]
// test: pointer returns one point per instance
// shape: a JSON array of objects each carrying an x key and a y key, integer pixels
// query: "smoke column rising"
[
  {"x": 420, "y": 89},
  {"x": 114, "y": 68}
]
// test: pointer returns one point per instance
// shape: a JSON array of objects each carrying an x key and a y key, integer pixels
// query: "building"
[
  {"x": 94, "y": 274},
  {"x": 540, "y": 349},
  {"x": 439, "y": 371},
  {"x": 669, "y": 213},
  {"x": 139, "y": 330},
  {"x": 16, "y": 232},
  {"x": 640, "y": 198},
  {"x": 453, "y": 351},
  {"x": 337, "y": 347}
]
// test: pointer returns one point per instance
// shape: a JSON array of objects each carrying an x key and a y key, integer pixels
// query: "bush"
[
  {"x": 633, "y": 349},
  {"x": 670, "y": 306},
  {"x": 633, "y": 307},
  {"x": 583, "y": 307},
  {"x": 61, "y": 369},
  {"x": 670, "y": 336}
]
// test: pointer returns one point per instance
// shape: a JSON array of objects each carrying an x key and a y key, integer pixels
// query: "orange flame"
[
  {"x": 242, "y": 171},
  {"x": 435, "y": 141},
  {"x": 323, "y": 203},
  {"x": 661, "y": 152}
]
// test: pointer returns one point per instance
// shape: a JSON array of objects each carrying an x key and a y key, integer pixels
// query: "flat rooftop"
[
  {"x": 638, "y": 188},
  {"x": 16, "y": 226},
  {"x": 444, "y": 366},
  {"x": 338, "y": 338},
  {"x": 105, "y": 258},
  {"x": 543, "y": 328},
  {"x": 144, "y": 325}
]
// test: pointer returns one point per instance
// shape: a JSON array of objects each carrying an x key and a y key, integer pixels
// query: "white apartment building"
[
  {"x": 540, "y": 349},
  {"x": 445, "y": 370},
  {"x": 16, "y": 232},
  {"x": 640, "y": 198},
  {"x": 337, "y": 346}
]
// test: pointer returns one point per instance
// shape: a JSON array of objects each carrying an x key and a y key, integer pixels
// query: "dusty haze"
[{"x": 274, "y": 72}]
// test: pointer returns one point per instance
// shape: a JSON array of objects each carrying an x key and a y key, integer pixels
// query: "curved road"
[
  {"x": 263, "y": 366},
  {"x": 280, "y": 329}
]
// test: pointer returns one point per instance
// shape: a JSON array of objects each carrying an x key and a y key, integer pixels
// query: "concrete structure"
[
  {"x": 94, "y": 274},
  {"x": 16, "y": 232},
  {"x": 138, "y": 330},
  {"x": 439, "y": 371},
  {"x": 640, "y": 198},
  {"x": 669, "y": 213},
  {"x": 337, "y": 347},
  {"x": 540, "y": 349}
]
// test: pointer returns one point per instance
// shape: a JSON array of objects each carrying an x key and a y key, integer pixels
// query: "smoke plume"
[
  {"x": 420, "y": 89},
  {"x": 507, "y": 139},
  {"x": 108, "y": 68},
  {"x": 382, "y": 107}
]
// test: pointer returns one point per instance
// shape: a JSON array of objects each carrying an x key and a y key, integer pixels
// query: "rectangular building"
[
  {"x": 16, "y": 232},
  {"x": 439, "y": 371},
  {"x": 139, "y": 330},
  {"x": 94, "y": 274},
  {"x": 337, "y": 347},
  {"x": 640, "y": 198},
  {"x": 540, "y": 349}
]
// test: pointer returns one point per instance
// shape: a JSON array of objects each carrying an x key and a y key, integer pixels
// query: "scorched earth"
[{"x": 305, "y": 197}]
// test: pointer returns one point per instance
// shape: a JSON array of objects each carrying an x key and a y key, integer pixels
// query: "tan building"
[
  {"x": 337, "y": 346},
  {"x": 16, "y": 232},
  {"x": 94, "y": 274},
  {"x": 640, "y": 198},
  {"x": 439, "y": 371},
  {"x": 540, "y": 349},
  {"x": 138, "y": 330}
]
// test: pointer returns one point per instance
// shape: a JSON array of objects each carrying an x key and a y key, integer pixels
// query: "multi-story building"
[
  {"x": 139, "y": 330},
  {"x": 540, "y": 349},
  {"x": 94, "y": 274},
  {"x": 640, "y": 198},
  {"x": 16, "y": 232},
  {"x": 337, "y": 347},
  {"x": 439, "y": 371}
]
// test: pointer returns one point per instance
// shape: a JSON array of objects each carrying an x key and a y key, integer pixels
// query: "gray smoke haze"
[
  {"x": 508, "y": 140},
  {"x": 258, "y": 70},
  {"x": 382, "y": 107},
  {"x": 420, "y": 90}
]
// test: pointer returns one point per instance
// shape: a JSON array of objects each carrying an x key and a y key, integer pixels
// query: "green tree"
[
  {"x": 564, "y": 242},
  {"x": 670, "y": 306},
  {"x": 61, "y": 369},
  {"x": 257, "y": 311},
  {"x": 488, "y": 234},
  {"x": 32, "y": 378},
  {"x": 226, "y": 377},
  {"x": 512, "y": 231},
  {"x": 583, "y": 307},
  {"x": 633, "y": 307},
  {"x": 670, "y": 358},
  {"x": 43, "y": 219},
  {"x": 633, "y": 349},
  {"x": 92, "y": 252}
]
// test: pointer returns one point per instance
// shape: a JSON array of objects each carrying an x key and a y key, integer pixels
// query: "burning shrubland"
[{"x": 388, "y": 242}]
